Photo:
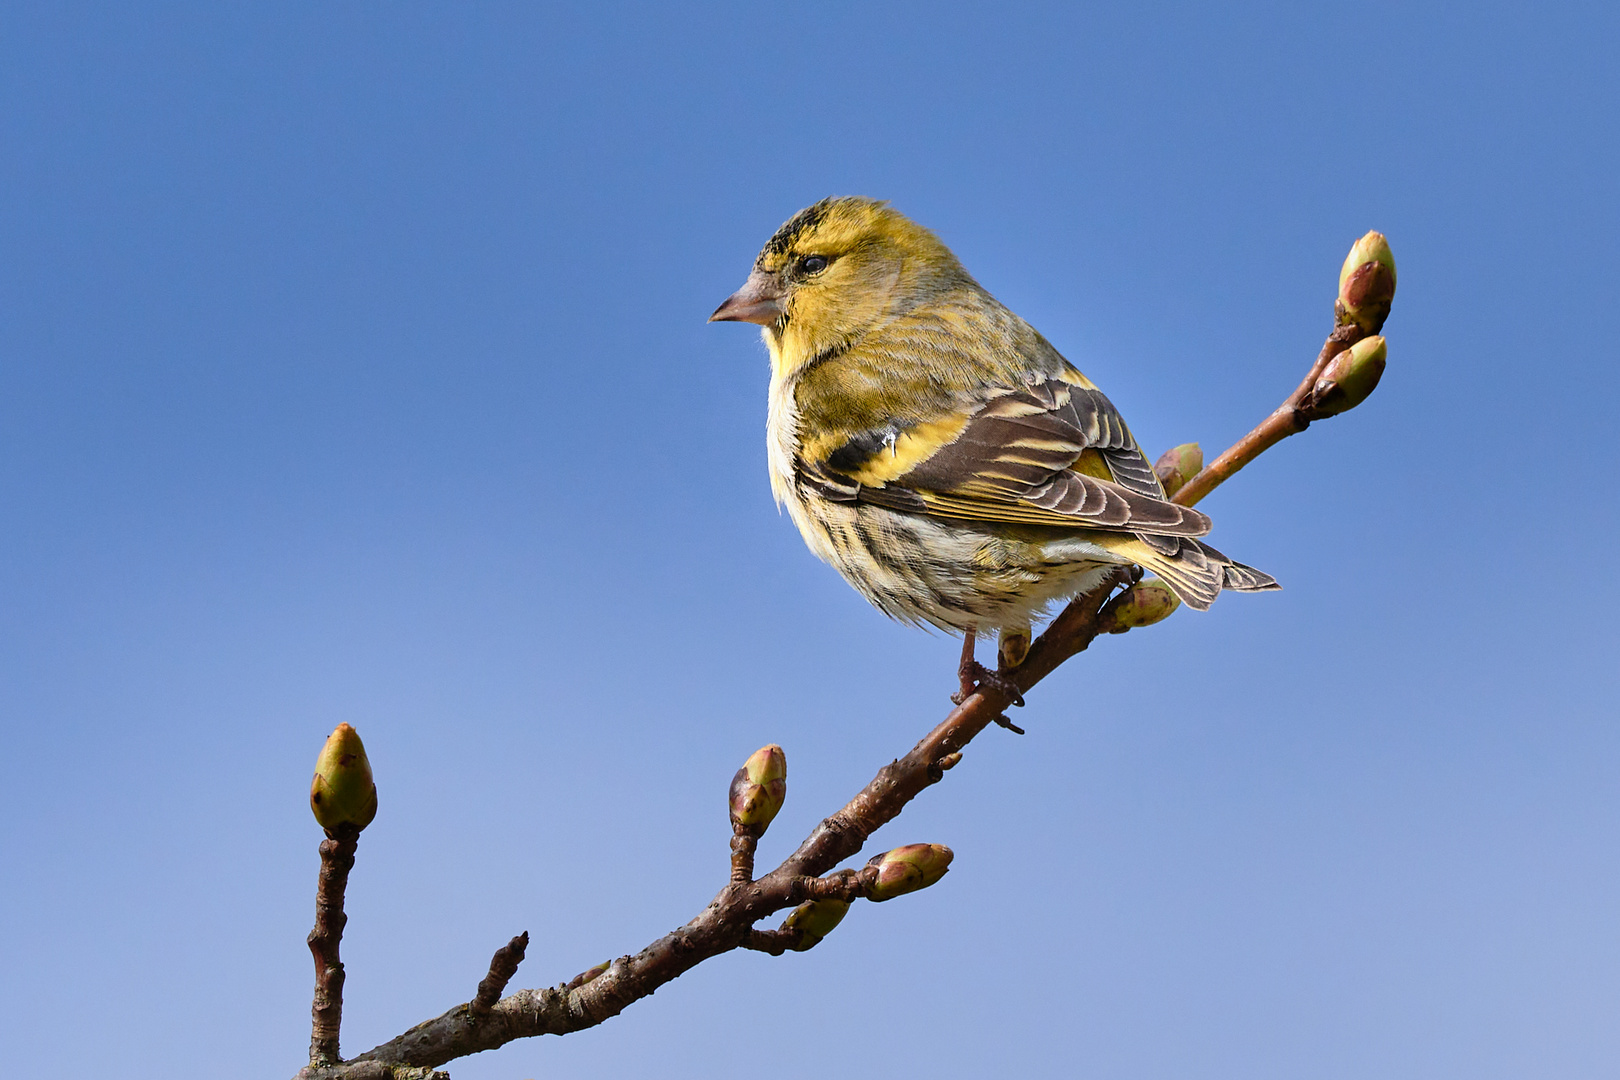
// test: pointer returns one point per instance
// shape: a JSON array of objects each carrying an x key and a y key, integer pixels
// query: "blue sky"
[{"x": 353, "y": 368}]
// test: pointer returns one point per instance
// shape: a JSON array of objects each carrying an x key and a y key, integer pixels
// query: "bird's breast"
[{"x": 782, "y": 438}]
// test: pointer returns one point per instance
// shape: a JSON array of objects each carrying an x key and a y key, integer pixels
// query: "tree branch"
[
  {"x": 1337, "y": 380},
  {"x": 727, "y": 922}
]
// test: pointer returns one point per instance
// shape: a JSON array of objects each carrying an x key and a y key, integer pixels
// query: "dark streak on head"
[{"x": 799, "y": 223}]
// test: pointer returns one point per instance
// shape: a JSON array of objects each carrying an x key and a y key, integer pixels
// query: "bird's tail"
[{"x": 1196, "y": 571}]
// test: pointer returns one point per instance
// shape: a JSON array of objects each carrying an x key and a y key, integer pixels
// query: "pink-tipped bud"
[
  {"x": 907, "y": 869},
  {"x": 1349, "y": 377},
  {"x": 1143, "y": 604},
  {"x": 759, "y": 789},
  {"x": 586, "y": 976},
  {"x": 815, "y": 919},
  {"x": 343, "y": 791},
  {"x": 1178, "y": 465},
  {"x": 1367, "y": 284}
]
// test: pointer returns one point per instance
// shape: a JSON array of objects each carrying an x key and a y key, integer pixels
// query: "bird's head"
[{"x": 836, "y": 270}]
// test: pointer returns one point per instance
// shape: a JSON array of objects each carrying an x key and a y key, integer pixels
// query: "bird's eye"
[{"x": 813, "y": 264}]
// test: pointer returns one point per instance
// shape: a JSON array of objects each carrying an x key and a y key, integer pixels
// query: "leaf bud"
[
  {"x": 907, "y": 869},
  {"x": 1012, "y": 648},
  {"x": 1143, "y": 604},
  {"x": 1178, "y": 465},
  {"x": 759, "y": 789},
  {"x": 815, "y": 919},
  {"x": 343, "y": 791},
  {"x": 1367, "y": 284},
  {"x": 587, "y": 975},
  {"x": 1349, "y": 377}
]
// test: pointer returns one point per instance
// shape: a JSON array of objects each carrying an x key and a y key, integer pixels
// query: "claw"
[
  {"x": 1002, "y": 721},
  {"x": 975, "y": 677}
]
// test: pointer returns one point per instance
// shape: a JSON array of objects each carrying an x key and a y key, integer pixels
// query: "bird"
[{"x": 939, "y": 452}]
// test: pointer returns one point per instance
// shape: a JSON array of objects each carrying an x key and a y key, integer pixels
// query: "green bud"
[
  {"x": 759, "y": 788},
  {"x": 1143, "y": 604},
  {"x": 1012, "y": 648},
  {"x": 907, "y": 869},
  {"x": 343, "y": 792},
  {"x": 1367, "y": 283},
  {"x": 1178, "y": 465},
  {"x": 815, "y": 919},
  {"x": 1349, "y": 377}
]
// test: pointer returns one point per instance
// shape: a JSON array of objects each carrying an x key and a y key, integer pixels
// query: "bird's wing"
[{"x": 1053, "y": 453}]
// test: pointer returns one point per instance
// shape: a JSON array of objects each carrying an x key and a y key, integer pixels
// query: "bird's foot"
[{"x": 975, "y": 677}]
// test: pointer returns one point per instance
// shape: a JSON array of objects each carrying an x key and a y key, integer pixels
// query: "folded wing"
[{"x": 1053, "y": 453}]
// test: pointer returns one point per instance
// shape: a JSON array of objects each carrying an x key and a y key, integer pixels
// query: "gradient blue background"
[{"x": 353, "y": 368}]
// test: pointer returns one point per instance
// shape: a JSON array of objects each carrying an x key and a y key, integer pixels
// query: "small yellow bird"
[{"x": 939, "y": 452}]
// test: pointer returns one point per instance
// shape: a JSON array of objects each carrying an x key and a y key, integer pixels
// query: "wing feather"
[{"x": 1013, "y": 460}]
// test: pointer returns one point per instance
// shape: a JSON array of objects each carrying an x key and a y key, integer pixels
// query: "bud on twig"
[
  {"x": 587, "y": 975},
  {"x": 1367, "y": 284},
  {"x": 759, "y": 789},
  {"x": 1349, "y": 378},
  {"x": 815, "y": 919},
  {"x": 1178, "y": 465},
  {"x": 1143, "y": 604},
  {"x": 1012, "y": 648},
  {"x": 907, "y": 869},
  {"x": 343, "y": 792}
]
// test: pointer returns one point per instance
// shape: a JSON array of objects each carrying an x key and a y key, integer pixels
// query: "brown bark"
[
  {"x": 337, "y": 859},
  {"x": 502, "y": 967}
]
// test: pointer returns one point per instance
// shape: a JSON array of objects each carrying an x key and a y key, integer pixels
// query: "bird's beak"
[{"x": 758, "y": 301}]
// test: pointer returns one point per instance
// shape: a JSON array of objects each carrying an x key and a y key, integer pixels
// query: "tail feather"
[
  {"x": 1241, "y": 578},
  {"x": 1194, "y": 570}
]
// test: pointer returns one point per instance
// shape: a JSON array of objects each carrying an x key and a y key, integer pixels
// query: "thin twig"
[
  {"x": 337, "y": 859},
  {"x": 743, "y": 842}
]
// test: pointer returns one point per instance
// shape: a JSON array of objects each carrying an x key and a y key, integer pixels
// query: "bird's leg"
[
  {"x": 964, "y": 670},
  {"x": 974, "y": 675}
]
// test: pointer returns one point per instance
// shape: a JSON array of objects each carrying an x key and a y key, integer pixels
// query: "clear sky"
[{"x": 353, "y": 367}]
